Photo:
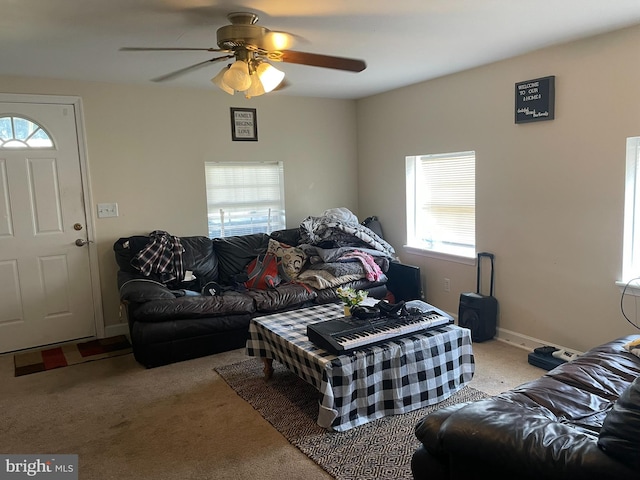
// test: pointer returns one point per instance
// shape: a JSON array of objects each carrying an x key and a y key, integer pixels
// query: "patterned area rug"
[
  {"x": 71, "y": 354},
  {"x": 379, "y": 449}
]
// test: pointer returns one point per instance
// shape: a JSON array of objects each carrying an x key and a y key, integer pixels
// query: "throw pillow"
[
  {"x": 619, "y": 434},
  {"x": 291, "y": 260},
  {"x": 633, "y": 347}
]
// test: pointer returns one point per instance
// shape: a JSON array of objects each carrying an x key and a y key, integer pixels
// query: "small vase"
[{"x": 347, "y": 311}]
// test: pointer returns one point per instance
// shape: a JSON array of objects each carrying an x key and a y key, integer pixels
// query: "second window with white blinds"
[{"x": 244, "y": 198}]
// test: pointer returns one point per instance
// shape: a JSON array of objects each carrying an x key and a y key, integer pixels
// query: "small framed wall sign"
[
  {"x": 535, "y": 100},
  {"x": 244, "y": 125}
]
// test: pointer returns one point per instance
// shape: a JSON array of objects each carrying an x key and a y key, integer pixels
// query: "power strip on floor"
[{"x": 565, "y": 355}]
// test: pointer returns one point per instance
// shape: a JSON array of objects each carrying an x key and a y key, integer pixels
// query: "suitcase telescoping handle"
[{"x": 491, "y": 257}]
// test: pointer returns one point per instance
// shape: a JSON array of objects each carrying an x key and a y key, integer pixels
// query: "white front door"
[{"x": 46, "y": 293}]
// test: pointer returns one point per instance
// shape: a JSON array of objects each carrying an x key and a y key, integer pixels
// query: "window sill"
[
  {"x": 632, "y": 287},
  {"x": 444, "y": 256}
]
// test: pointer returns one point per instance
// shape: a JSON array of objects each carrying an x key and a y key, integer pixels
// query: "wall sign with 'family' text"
[
  {"x": 535, "y": 100},
  {"x": 244, "y": 124}
]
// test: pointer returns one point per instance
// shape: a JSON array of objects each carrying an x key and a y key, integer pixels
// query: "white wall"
[
  {"x": 549, "y": 195},
  {"x": 147, "y": 146}
]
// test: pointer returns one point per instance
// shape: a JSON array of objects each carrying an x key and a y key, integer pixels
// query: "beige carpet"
[{"x": 180, "y": 421}]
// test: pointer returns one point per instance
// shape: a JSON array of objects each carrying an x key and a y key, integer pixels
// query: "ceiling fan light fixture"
[
  {"x": 277, "y": 41},
  {"x": 218, "y": 81},
  {"x": 237, "y": 76},
  {"x": 269, "y": 76},
  {"x": 256, "y": 89}
]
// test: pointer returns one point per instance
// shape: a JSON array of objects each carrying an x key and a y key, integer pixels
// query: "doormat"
[{"x": 71, "y": 354}]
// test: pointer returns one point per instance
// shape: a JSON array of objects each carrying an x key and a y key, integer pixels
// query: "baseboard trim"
[
  {"x": 522, "y": 341},
  {"x": 114, "y": 330},
  {"x": 526, "y": 342}
]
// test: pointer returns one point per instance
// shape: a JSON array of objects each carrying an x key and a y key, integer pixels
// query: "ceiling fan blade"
[
  {"x": 190, "y": 68},
  {"x": 325, "y": 61},
  {"x": 161, "y": 49}
]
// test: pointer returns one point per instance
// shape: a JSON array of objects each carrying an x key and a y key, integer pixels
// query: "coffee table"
[{"x": 396, "y": 377}]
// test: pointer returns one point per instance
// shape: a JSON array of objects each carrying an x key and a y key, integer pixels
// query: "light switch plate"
[{"x": 107, "y": 210}]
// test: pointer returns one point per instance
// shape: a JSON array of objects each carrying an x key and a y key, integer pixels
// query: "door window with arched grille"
[{"x": 18, "y": 132}]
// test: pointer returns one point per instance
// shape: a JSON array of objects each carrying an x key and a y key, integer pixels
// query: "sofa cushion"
[
  {"x": 200, "y": 258},
  {"x": 620, "y": 434},
  {"x": 284, "y": 296},
  {"x": 194, "y": 307},
  {"x": 235, "y": 253},
  {"x": 290, "y": 236},
  {"x": 126, "y": 248}
]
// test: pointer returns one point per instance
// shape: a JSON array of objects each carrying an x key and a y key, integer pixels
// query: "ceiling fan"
[{"x": 253, "y": 47}]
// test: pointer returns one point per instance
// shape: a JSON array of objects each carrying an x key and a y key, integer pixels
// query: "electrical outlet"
[{"x": 447, "y": 285}]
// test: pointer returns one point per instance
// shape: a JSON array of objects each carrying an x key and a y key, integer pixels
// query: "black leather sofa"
[
  {"x": 170, "y": 322},
  {"x": 579, "y": 421}
]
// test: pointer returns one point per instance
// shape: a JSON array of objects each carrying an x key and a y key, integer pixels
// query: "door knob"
[{"x": 81, "y": 243}]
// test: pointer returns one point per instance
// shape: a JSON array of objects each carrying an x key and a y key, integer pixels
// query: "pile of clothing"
[{"x": 339, "y": 250}]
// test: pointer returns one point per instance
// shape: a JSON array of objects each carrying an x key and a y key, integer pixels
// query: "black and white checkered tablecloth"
[{"x": 393, "y": 378}]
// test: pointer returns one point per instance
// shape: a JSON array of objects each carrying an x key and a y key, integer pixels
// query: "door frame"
[{"x": 76, "y": 104}]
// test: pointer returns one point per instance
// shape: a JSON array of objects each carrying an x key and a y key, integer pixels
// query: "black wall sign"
[{"x": 535, "y": 100}]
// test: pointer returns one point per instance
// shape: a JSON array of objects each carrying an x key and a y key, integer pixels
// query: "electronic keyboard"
[{"x": 343, "y": 335}]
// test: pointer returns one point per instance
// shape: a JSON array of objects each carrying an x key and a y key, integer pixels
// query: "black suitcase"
[{"x": 478, "y": 312}]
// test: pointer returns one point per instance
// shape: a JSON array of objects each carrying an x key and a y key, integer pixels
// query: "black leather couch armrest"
[
  {"x": 525, "y": 443},
  {"x": 430, "y": 460},
  {"x": 427, "y": 430},
  {"x": 141, "y": 290}
]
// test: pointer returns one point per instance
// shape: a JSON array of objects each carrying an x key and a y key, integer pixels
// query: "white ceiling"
[{"x": 402, "y": 41}]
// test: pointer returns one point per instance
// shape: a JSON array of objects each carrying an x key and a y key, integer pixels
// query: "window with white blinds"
[
  {"x": 244, "y": 197},
  {"x": 441, "y": 205},
  {"x": 631, "y": 248}
]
